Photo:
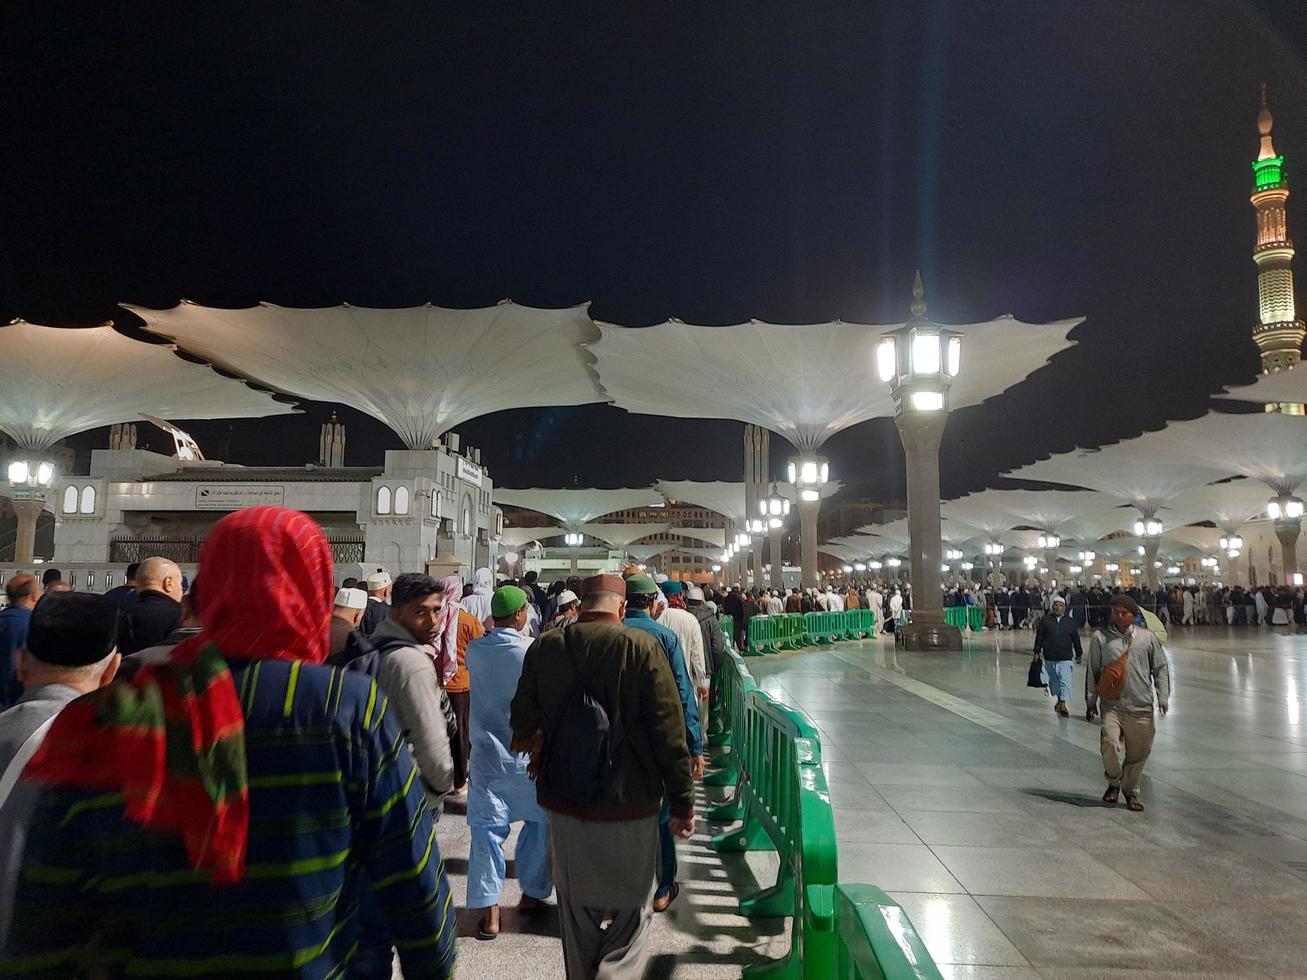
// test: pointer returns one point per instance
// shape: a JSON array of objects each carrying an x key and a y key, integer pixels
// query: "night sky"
[{"x": 793, "y": 162}]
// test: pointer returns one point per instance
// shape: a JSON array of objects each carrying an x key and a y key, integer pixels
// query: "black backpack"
[
  {"x": 363, "y": 654},
  {"x": 581, "y": 753}
]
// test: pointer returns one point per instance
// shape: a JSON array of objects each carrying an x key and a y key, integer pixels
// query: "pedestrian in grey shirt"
[
  {"x": 1129, "y": 718},
  {"x": 70, "y": 651}
]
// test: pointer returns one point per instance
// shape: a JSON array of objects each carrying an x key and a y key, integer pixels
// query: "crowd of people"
[{"x": 243, "y": 774}]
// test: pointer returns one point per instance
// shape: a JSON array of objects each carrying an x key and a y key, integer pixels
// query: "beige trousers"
[{"x": 1136, "y": 729}]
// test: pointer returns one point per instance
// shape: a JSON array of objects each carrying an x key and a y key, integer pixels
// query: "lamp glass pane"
[
  {"x": 885, "y": 359},
  {"x": 927, "y": 401},
  {"x": 925, "y": 353},
  {"x": 954, "y": 356}
]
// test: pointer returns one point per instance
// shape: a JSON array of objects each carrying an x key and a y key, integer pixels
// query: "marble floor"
[{"x": 959, "y": 791}]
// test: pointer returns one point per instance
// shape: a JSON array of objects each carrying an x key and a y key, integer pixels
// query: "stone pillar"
[
  {"x": 774, "y": 554},
  {"x": 757, "y": 447},
  {"x": 1150, "y": 555},
  {"x": 1050, "y": 562},
  {"x": 28, "y": 512},
  {"x": 808, "y": 510},
  {"x": 921, "y": 433},
  {"x": 1287, "y": 532}
]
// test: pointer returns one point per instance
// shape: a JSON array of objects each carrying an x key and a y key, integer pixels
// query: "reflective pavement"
[{"x": 959, "y": 791}]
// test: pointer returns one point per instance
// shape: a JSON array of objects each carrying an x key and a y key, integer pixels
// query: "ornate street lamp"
[
  {"x": 809, "y": 473},
  {"x": 1285, "y": 512},
  {"x": 1150, "y": 529},
  {"x": 919, "y": 361},
  {"x": 29, "y": 479},
  {"x": 774, "y": 508}
]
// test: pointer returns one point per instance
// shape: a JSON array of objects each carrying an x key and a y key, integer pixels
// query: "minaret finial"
[
  {"x": 1264, "y": 123},
  {"x": 918, "y": 297}
]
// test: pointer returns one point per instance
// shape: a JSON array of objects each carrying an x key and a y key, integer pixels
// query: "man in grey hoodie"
[
  {"x": 1129, "y": 718},
  {"x": 406, "y": 674}
]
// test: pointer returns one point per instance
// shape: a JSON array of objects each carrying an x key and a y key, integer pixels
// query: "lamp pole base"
[{"x": 930, "y": 636}]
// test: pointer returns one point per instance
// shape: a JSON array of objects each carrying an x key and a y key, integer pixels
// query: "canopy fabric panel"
[
  {"x": 720, "y": 497},
  {"x": 579, "y": 505},
  {"x": 621, "y": 535},
  {"x": 1129, "y": 471},
  {"x": 1228, "y": 505},
  {"x": 643, "y": 552},
  {"x": 65, "y": 380},
  {"x": 518, "y": 536},
  {"x": 805, "y": 382},
  {"x": 713, "y": 535},
  {"x": 1282, "y": 386},
  {"x": 420, "y": 370}
]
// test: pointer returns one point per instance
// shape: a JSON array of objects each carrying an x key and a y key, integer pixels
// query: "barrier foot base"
[
  {"x": 728, "y": 776},
  {"x": 771, "y": 902},
  {"x": 731, "y": 810},
  {"x": 750, "y": 837}
]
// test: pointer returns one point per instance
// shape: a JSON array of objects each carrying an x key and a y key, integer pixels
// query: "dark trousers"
[
  {"x": 667, "y": 852},
  {"x": 462, "y": 746}
]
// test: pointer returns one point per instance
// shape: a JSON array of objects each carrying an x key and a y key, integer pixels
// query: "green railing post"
[{"x": 874, "y": 939}]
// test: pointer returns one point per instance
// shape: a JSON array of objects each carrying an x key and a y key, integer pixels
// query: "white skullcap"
[
  {"x": 378, "y": 581},
  {"x": 695, "y": 594},
  {"x": 351, "y": 599}
]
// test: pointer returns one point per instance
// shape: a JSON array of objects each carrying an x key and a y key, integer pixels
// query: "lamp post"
[
  {"x": 1049, "y": 543},
  {"x": 775, "y": 508},
  {"x": 1149, "y": 528},
  {"x": 573, "y": 541},
  {"x": 1285, "y": 512},
  {"x": 920, "y": 361},
  {"x": 809, "y": 474},
  {"x": 29, "y": 479}
]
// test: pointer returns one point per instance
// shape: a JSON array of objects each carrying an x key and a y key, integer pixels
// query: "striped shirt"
[{"x": 334, "y": 803}]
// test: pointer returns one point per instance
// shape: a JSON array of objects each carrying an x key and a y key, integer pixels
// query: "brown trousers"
[{"x": 1136, "y": 728}]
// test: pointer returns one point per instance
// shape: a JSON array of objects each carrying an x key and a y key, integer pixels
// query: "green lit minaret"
[{"x": 1280, "y": 333}]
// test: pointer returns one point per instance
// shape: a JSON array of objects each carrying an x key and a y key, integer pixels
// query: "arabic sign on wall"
[{"x": 236, "y": 496}]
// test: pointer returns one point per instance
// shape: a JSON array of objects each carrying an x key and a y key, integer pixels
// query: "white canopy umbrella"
[
  {"x": 713, "y": 535},
  {"x": 720, "y": 497},
  {"x": 576, "y": 506},
  {"x": 621, "y": 535},
  {"x": 516, "y": 537},
  {"x": 805, "y": 382},
  {"x": 421, "y": 370},
  {"x": 63, "y": 380}
]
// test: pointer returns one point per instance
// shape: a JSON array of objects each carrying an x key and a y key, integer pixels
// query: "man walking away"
[
  {"x": 604, "y": 840},
  {"x": 1056, "y": 641},
  {"x": 21, "y": 591},
  {"x": 500, "y": 792},
  {"x": 123, "y": 596},
  {"x": 641, "y": 594},
  {"x": 1128, "y": 713},
  {"x": 158, "y": 607},
  {"x": 346, "y": 614},
  {"x": 70, "y": 650},
  {"x": 379, "y": 589}
]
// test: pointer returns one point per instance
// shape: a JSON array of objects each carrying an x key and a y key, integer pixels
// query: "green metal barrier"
[
  {"x": 956, "y": 616},
  {"x": 875, "y": 940},
  {"x": 734, "y": 684},
  {"x": 838, "y": 932},
  {"x": 792, "y": 633},
  {"x": 762, "y": 636},
  {"x": 786, "y": 806},
  {"x": 976, "y": 618},
  {"x": 728, "y": 629}
]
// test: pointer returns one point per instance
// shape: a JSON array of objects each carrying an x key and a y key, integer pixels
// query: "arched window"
[
  {"x": 70, "y": 500},
  {"x": 469, "y": 526},
  {"x": 401, "y": 500},
  {"x": 88, "y": 500},
  {"x": 383, "y": 500}
]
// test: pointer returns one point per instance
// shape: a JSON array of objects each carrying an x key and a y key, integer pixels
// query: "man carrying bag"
[{"x": 1126, "y": 665}]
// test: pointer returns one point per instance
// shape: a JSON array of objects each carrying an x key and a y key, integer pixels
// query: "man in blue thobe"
[
  {"x": 641, "y": 593},
  {"x": 499, "y": 790}
]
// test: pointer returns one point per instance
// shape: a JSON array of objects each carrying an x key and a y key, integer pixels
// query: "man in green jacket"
[{"x": 605, "y": 851}]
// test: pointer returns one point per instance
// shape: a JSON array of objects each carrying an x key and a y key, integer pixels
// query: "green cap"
[
  {"x": 671, "y": 587},
  {"x": 641, "y": 585},
  {"x": 507, "y": 600}
]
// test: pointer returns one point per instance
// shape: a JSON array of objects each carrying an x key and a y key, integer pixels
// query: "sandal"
[
  {"x": 485, "y": 931},
  {"x": 664, "y": 903},
  {"x": 1112, "y": 795},
  {"x": 1132, "y": 803}
]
